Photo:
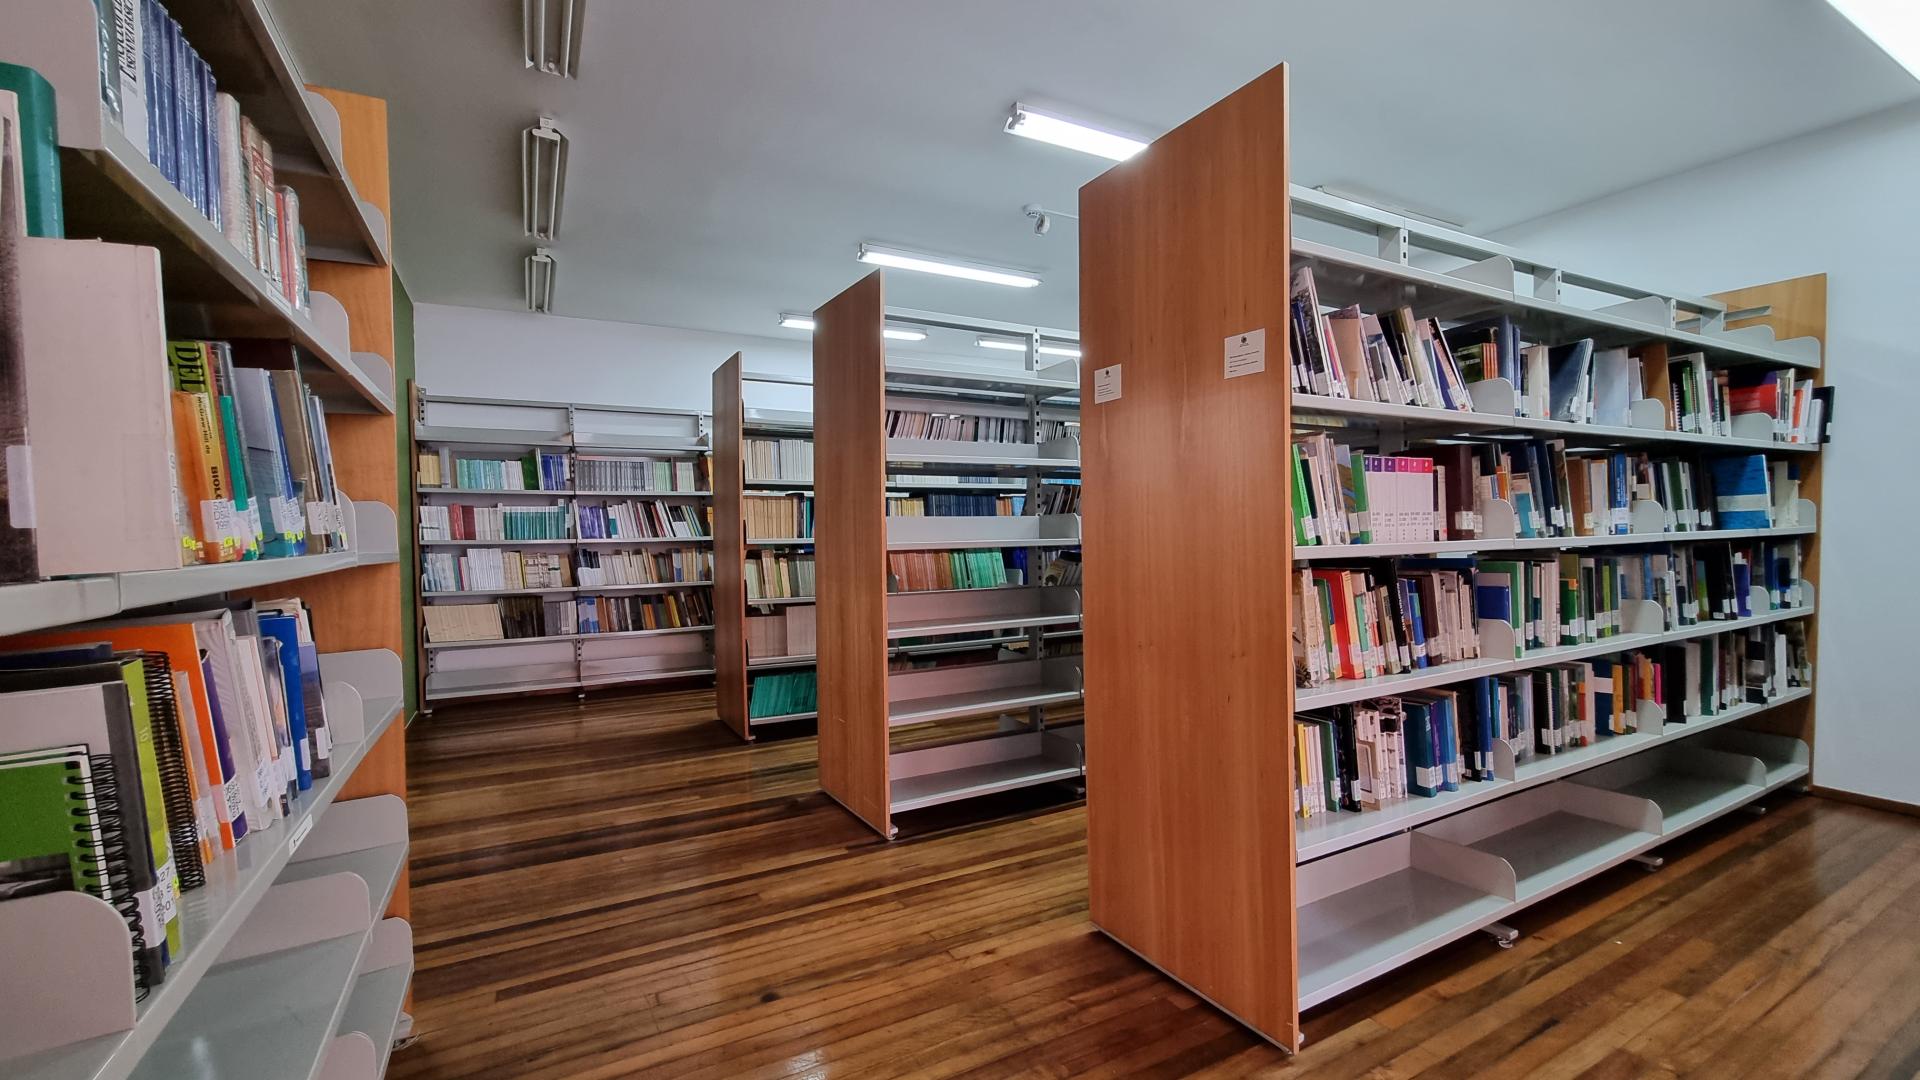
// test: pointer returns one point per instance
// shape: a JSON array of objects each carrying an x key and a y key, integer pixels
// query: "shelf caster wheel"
[
  {"x": 1754, "y": 810},
  {"x": 1650, "y": 863},
  {"x": 1502, "y": 934}
]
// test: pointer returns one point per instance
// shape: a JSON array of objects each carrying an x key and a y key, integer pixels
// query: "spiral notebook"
[{"x": 59, "y": 832}]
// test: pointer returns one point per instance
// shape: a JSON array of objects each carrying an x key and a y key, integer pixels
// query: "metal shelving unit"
[{"x": 482, "y": 427}]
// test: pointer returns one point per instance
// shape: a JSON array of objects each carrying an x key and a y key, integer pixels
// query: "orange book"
[
  {"x": 177, "y": 641},
  {"x": 198, "y": 445}
]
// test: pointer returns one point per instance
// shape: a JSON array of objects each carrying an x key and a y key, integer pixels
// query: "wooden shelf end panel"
[
  {"x": 1184, "y": 249},
  {"x": 729, "y": 554},
  {"x": 849, "y": 365}
]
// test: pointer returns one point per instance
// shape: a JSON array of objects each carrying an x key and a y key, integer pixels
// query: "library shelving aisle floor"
[{"x": 621, "y": 889}]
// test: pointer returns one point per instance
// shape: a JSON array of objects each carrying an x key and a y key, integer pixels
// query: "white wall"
[
  {"x": 1846, "y": 202},
  {"x": 477, "y": 352}
]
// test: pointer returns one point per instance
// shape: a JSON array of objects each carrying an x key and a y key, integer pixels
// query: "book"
[
  {"x": 1742, "y": 491},
  {"x": 19, "y": 555},
  {"x": 33, "y": 147}
]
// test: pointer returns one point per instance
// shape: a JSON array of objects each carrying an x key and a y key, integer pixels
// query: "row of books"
[
  {"x": 644, "y": 611},
  {"x": 788, "y": 632},
  {"x": 970, "y": 427},
  {"x": 644, "y": 518},
  {"x": 783, "y": 694},
  {"x": 773, "y": 575},
  {"x": 1344, "y": 496},
  {"x": 1361, "y": 756},
  {"x": 654, "y": 567},
  {"x": 941, "y": 504},
  {"x": 1395, "y": 357},
  {"x": 1406, "y": 615},
  {"x": 478, "y": 569},
  {"x": 254, "y": 467},
  {"x": 779, "y": 459},
  {"x": 641, "y": 473},
  {"x": 462, "y": 521},
  {"x": 536, "y": 470},
  {"x": 159, "y": 91},
  {"x": 777, "y": 517},
  {"x": 137, "y": 754},
  {"x": 514, "y": 618},
  {"x": 1057, "y": 498},
  {"x": 924, "y": 571}
]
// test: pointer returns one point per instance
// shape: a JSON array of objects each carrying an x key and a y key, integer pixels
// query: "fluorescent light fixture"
[
  {"x": 1894, "y": 25},
  {"x": 543, "y": 178},
  {"x": 892, "y": 333},
  {"x": 550, "y": 30},
  {"x": 902, "y": 259},
  {"x": 1046, "y": 127},
  {"x": 540, "y": 272},
  {"x": 1009, "y": 345}
]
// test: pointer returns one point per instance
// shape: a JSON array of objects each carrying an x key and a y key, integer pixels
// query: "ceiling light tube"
[
  {"x": 1046, "y": 127},
  {"x": 893, "y": 333},
  {"x": 1009, "y": 345},
  {"x": 543, "y": 178},
  {"x": 550, "y": 31},
  {"x": 1894, "y": 25},
  {"x": 902, "y": 259},
  {"x": 540, "y": 274}
]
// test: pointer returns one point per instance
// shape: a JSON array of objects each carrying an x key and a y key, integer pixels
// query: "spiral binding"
[
  {"x": 99, "y": 788},
  {"x": 176, "y": 786}
]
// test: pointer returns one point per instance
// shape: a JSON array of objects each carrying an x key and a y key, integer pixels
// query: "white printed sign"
[
  {"x": 1247, "y": 353},
  {"x": 1106, "y": 384}
]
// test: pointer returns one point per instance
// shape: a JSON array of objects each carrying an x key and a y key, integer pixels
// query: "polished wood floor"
[{"x": 622, "y": 890}]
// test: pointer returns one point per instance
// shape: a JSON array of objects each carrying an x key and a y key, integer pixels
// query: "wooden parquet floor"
[{"x": 621, "y": 890}]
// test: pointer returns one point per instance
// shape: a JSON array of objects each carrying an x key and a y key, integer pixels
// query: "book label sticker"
[
  {"x": 1246, "y": 353},
  {"x": 230, "y": 808},
  {"x": 1106, "y": 384}
]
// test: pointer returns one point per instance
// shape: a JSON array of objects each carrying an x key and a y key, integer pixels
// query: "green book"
[
  {"x": 166, "y": 888},
  {"x": 39, "y": 149},
  {"x": 50, "y": 827},
  {"x": 1354, "y": 481},
  {"x": 1303, "y": 534}
]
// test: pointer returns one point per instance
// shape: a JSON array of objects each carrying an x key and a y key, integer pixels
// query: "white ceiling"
[{"x": 728, "y": 155}]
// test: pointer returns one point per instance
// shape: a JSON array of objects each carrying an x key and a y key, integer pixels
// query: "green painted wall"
[{"x": 409, "y": 528}]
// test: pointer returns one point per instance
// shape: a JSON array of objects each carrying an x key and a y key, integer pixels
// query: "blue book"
[
  {"x": 1570, "y": 381},
  {"x": 1446, "y": 736},
  {"x": 1483, "y": 726},
  {"x": 160, "y": 100},
  {"x": 1603, "y": 698},
  {"x": 1422, "y": 767},
  {"x": 1742, "y": 491},
  {"x": 1410, "y": 599},
  {"x": 1742, "y": 586},
  {"x": 182, "y": 123},
  {"x": 1617, "y": 475},
  {"x": 196, "y": 149},
  {"x": 210, "y": 129},
  {"x": 286, "y": 630}
]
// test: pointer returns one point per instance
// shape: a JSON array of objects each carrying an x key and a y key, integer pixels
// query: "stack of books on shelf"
[
  {"x": 1371, "y": 753},
  {"x": 783, "y": 694},
  {"x": 597, "y": 568},
  {"x": 536, "y": 470},
  {"x": 642, "y": 519},
  {"x": 253, "y": 464},
  {"x": 789, "y": 633},
  {"x": 1345, "y": 496},
  {"x": 777, "y": 517},
  {"x": 970, "y": 427},
  {"x": 498, "y": 523},
  {"x": 1359, "y": 622},
  {"x": 925, "y": 571},
  {"x": 949, "y": 505},
  {"x": 772, "y": 575},
  {"x": 1398, "y": 358},
  {"x": 479, "y": 569},
  {"x": 778, "y": 459},
  {"x": 679, "y": 608},
  {"x": 641, "y": 473},
  {"x": 160, "y": 93},
  {"x": 136, "y": 754}
]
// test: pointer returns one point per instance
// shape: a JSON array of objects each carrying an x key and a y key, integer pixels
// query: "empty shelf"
[
  {"x": 1560, "y": 848},
  {"x": 1354, "y": 935},
  {"x": 972, "y": 781},
  {"x": 975, "y": 702}
]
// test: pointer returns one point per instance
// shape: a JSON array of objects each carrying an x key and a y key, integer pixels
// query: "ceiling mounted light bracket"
[
  {"x": 540, "y": 274},
  {"x": 543, "y": 178},
  {"x": 1043, "y": 125},
  {"x": 946, "y": 266},
  {"x": 551, "y": 30}
]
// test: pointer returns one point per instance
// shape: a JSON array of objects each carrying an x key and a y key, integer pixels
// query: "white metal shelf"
[
  {"x": 781, "y": 541},
  {"x": 782, "y": 718},
  {"x": 1334, "y": 552},
  {"x": 561, "y": 590},
  {"x": 1434, "y": 422},
  {"x": 597, "y": 541},
  {"x": 931, "y": 776},
  {"x": 435, "y": 646},
  {"x": 498, "y": 543},
  {"x": 212, "y": 915},
  {"x": 1342, "y": 691}
]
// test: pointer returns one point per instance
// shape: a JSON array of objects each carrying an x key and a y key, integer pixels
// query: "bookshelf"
[
  {"x": 868, "y": 689},
  {"x": 575, "y": 448},
  {"x": 1198, "y": 859},
  {"x": 296, "y": 956}
]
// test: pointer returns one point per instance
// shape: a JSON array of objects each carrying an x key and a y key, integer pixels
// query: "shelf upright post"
[{"x": 1184, "y": 260}]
